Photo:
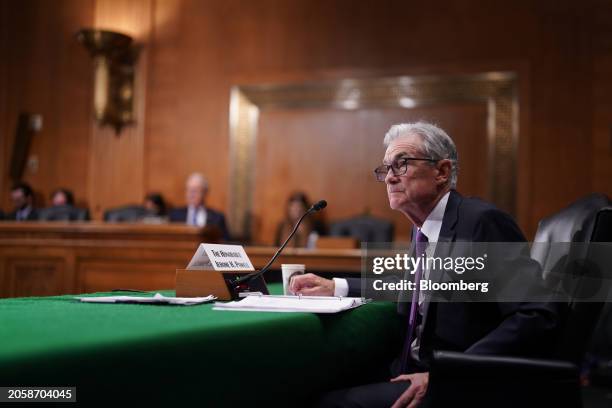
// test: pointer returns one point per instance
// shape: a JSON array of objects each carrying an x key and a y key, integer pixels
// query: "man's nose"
[{"x": 391, "y": 178}]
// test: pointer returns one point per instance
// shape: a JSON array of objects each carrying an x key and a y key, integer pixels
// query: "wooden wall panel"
[
  {"x": 188, "y": 74},
  {"x": 272, "y": 41},
  {"x": 46, "y": 71},
  {"x": 601, "y": 154},
  {"x": 601, "y": 163},
  {"x": 330, "y": 154},
  {"x": 5, "y": 46},
  {"x": 195, "y": 51},
  {"x": 116, "y": 161}
]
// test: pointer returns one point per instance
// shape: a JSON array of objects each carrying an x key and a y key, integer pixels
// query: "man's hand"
[
  {"x": 312, "y": 285},
  {"x": 414, "y": 394}
]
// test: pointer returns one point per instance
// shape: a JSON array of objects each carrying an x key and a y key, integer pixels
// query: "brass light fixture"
[{"x": 114, "y": 56}]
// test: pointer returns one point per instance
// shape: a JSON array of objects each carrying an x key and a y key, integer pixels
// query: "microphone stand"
[{"x": 241, "y": 282}]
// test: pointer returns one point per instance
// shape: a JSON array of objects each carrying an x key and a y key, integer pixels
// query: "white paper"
[
  {"x": 308, "y": 304},
  {"x": 157, "y": 299}
]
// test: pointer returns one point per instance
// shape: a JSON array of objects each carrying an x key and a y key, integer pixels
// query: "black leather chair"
[
  {"x": 458, "y": 379},
  {"x": 63, "y": 213},
  {"x": 574, "y": 223},
  {"x": 128, "y": 213},
  {"x": 364, "y": 228}
]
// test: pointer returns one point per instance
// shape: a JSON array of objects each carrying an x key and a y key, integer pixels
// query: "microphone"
[{"x": 318, "y": 206}]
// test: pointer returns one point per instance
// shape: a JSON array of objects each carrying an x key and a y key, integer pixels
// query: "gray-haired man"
[{"x": 420, "y": 171}]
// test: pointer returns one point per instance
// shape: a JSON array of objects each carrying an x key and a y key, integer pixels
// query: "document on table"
[
  {"x": 309, "y": 304},
  {"x": 157, "y": 299}
]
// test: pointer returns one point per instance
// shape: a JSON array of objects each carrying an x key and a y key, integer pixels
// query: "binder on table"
[{"x": 309, "y": 304}]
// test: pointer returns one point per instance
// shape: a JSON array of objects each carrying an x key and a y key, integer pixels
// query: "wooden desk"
[{"x": 41, "y": 259}]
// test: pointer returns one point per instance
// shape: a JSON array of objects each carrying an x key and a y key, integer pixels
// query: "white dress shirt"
[{"x": 200, "y": 216}]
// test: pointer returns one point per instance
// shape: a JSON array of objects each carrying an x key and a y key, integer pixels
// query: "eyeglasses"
[{"x": 398, "y": 167}]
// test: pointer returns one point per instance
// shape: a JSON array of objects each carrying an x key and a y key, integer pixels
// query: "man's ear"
[{"x": 444, "y": 171}]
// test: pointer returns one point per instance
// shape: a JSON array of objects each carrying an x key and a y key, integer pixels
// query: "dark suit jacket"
[
  {"x": 32, "y": 216},
  {"x": 213, "y": 218},
  {"x": 525, "y": 329}
]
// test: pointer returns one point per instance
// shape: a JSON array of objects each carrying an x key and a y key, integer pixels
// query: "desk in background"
[{"x": 43, "y": 259}]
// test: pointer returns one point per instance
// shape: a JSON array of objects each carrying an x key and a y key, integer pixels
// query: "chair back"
[
  {"x": 364, "y": 228},
  {"x": 574, "y": 223},
  {"x": 128, "y": 213},
  {"x": 63, "y": 213},
  {"x": 582, "y": 316}
]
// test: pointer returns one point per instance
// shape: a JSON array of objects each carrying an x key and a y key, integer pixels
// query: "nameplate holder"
[{"x": 191, "y": 283}]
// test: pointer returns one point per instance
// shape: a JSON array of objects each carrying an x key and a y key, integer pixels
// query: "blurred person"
[
  {"x": 155, "y": 205},
  {"x": 22, "y": 197},
  {"x": 310, "y": 229},
  {"x": 63, "y": 208},
  {"x": 61, "y": 197},
  {"x": 196, "y": 213},
  {"x": 155, "y": 210}
]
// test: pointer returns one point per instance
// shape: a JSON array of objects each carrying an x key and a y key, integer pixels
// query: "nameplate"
[{"x": 220, "y": 258}]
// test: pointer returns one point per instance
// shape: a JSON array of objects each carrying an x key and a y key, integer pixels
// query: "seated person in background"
[
  {"x": 196, "y": 213},
  {"x": 22, "y": 197},
  {"x": 155, "y": 208},
  {"x": 308, "y": 232},
  {"x": 62, "y": 196},
  {"x": 155, "y": 205},
  {"x": 62, "y": 208}
]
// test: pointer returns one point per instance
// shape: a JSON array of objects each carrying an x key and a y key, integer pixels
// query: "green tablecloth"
[{"x": 116, "y": 352}]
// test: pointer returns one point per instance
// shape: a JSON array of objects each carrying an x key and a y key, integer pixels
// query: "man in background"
[
  {"x": 196, "y": 213},
  {"x": 22, "y": 197}
]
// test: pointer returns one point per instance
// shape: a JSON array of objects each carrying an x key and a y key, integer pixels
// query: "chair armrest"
[{"x": 474, "y": 366}]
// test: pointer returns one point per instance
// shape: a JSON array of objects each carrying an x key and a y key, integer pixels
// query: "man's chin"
[{"x": 394, "y": 204}]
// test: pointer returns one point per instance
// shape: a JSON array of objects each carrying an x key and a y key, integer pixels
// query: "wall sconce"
[{"x": 114, "y": 57}]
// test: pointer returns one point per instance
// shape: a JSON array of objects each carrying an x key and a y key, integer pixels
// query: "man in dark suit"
[
  {"x": 196, "y": 213},
  {"x": 22, "y": 197},
  {"x": 420, "y": 172}
]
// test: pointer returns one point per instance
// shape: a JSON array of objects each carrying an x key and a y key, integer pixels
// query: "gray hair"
[
  {"x": 199, "y": 178},
  {"x": 436, "y": 143}
]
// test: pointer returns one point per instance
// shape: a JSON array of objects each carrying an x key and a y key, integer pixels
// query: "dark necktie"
[{"x": 420, "y": 247}]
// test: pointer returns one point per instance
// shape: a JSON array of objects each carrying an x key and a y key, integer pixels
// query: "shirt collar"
[{"x": 433, "y": 223}]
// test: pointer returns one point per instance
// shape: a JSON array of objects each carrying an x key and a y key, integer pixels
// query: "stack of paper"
[
  {"x": 157, "y": 299},
  {"x": 311, "y": 304}
]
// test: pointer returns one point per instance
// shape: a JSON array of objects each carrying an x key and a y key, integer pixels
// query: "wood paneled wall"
[
  {"x": 194, "y": 51},
  {"x": 44, "y": 70}
]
